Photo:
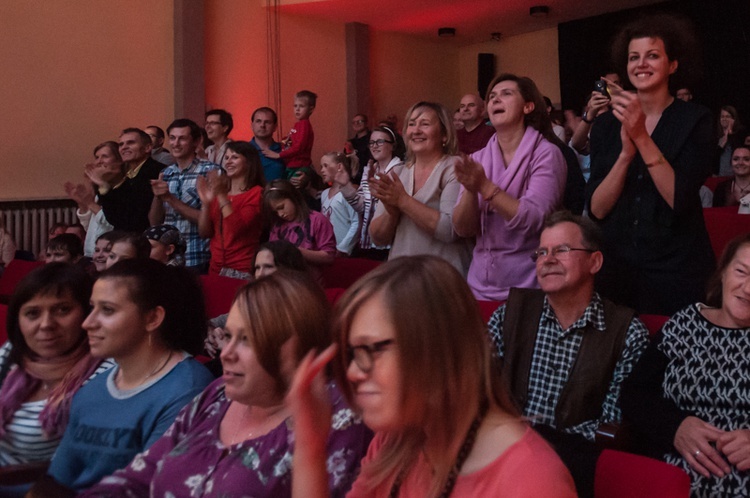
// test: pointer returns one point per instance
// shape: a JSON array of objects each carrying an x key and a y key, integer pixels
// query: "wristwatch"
[{"x": 585, "y": 117}]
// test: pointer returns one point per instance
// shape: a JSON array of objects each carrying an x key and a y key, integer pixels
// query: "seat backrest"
[
  {"x": 713, "y": 181},
  {"x": 345, "y": 271},
  {"x": 653, "y": 323},
  {"x": 723, "y": 224},
  {"x": 218, "y": 293},
  {"x": 14, "y": 273},
  {"x": 625, "y": 475},
  {"x": 487, "y": 308}
]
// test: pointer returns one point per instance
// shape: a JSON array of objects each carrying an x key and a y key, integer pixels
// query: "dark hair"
[
  {"x": 54, "y": 279},
  {"x": 738, "y": 128},
  {"x": 677, "y": 33},
  {"x": 142, "y": 135},
  {"x": 254, "y": 174},
  {"x": 364, "y": 117},
  {"x": 137, "y": 240},
  {"x": 225, "y": 118},
  {"x": 108, "y": 236},
  {"x": 283, "y": 189},
  {"x": 113, "y": 147},
  {"x": 55, "y": 226},
  {"x": 195, "y": 130},
  {"x": 278, "y": 307},
  {"x": 590, "y": 232},
  {"x": 714, "y": 287},
  {"x": 266, "y": 110},
  {"x": 285, "y": 255},
  {"x": 311, "y": 97},
  {"x": 538, "y": 117},
  {"x": 67, "y": 242},
  {"x": 159, "y": 131},
  {"x": 177, "y": 290},
  {"x": 399, "y": 147}
]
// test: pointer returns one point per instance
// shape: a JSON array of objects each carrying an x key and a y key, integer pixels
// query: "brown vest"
[{"x": 589, "y": 378}]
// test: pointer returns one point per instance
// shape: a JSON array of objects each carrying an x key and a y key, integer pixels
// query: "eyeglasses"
[
  {"x": 364, "y": 355},
  {"x": 379, "y": 142},
  {"x": 560, "y": 252},
  {"x": 358, "y": 121},
  {"x": 217, "y": 123}
]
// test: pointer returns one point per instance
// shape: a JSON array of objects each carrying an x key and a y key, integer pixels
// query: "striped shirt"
[{"x": 24, "y": 441}]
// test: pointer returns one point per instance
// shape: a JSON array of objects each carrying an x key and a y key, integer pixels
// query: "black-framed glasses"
[
  {"x": 558, "y": 252},
  {"x": 379, "y": 142},
  {"x": 365, "y": 354}
]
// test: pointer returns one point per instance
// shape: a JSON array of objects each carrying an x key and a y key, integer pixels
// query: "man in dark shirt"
[{"x": 476, "y": 132}]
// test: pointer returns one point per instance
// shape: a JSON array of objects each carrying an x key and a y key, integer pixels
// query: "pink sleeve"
[{"x": 322, "y": 231}]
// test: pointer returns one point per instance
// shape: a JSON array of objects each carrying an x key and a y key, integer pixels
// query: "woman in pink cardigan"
[{"x": 508, "y": 188}]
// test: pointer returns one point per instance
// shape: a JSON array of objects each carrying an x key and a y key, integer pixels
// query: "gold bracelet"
[
  {"x": 658, "y": 162},
  {"x": 493, "y": 194}
]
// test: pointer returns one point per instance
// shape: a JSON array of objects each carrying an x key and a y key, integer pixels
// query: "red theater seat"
[
  {"x": 14, "y": 273},
  {"x": 724, "y": 224},
  {"x": 624, "y": 475},
  {"x": 713, "y": 181},
  {"x": 218, "y": 293},
  {"x": 345, "y": 271},
  {"x": 487, "y": 308},
  {"x": 653, "y": 323}
]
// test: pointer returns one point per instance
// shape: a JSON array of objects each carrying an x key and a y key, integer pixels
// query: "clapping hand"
[
  {"x": 470, "y": 174},
  {"x": 388, "y": 189}
]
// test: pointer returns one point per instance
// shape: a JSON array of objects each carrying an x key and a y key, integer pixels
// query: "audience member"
[
  {"x": 108, "y": 168},
  {"x": 64, "y": 248},
  {"x": 730, "y": 132},
  {"x": 297, "y": 146},
  {"x": 148, "y": 318},
  {"x": 592, "y": 342},
  {"x": 263, "y": 122},
  {"x": 45, "y": 361},
  {"x": 443, "y": 423},
  {"x": 101, "y": 251},
  {"x": 557, "y": 128},
  {"x": 127, "y": 207},
  {"x": 684, "y": 94},
  {"x": 167, "y": 245},
  {"x": 236, "y": 438},
  {"x": 334, "y": 206},
  {"x": 730, "y": 192},
  {"x": 176, "y": 200},
  {"x": 77, "y": 230},
  {"x": 219, "y": 125},
  {"x": 158, "y": 152},
  {"x": 360, "y": 143},
  {"x": 416, "y": 200},
  {"x": 649, "y": 158},
  {"x": 688, "y": 396},
  {"x": 231, "y": 211},
  {"x": 475, "y": 133},
  {"x": 520, "y": 178},
  {"x": 457, "y": 123},
  {"x": 292, "y": 220},
  {"x": 387, "y": 152},
  {"x": 7, "y": 245},
  {"x": 127, "y": 245}
]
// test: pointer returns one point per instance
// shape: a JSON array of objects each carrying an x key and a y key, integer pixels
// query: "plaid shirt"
[
  {"x": 555, "y": 352},
  {"x": 182, "y": 186}
]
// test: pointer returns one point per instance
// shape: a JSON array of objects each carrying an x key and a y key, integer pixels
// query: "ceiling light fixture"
[
  {"x": 539, "y": 11},
  {"x": 496, "y": 36},
  {"x": 446, "y": 32}
]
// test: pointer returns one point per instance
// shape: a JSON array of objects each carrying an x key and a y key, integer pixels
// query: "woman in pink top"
[
  {"x": 512, "y": 184},
  {"x": 414, "y": 352}
]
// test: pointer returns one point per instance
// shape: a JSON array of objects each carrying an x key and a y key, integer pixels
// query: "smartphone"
[{"x": 601, "y": 87}]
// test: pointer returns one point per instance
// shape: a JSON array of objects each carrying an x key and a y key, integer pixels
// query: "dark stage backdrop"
[{"x": 723, "y": 31}]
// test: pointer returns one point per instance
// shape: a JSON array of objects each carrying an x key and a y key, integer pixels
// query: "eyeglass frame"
[
  {"x": 374, "y": 143},
  {"x": 557, "y": 251},
  {"x": 367, "y": 353}
]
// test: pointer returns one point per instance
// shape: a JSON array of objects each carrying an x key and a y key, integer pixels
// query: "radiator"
[{"x": 28, "y": 222}]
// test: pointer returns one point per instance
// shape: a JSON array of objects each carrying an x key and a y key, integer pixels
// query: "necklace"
[
  {"x": 154, "y": 371},
  {"x": 237, "y": 432},
  {"x": 743, "y": 190},
  {"x": 463, "y": 453}
]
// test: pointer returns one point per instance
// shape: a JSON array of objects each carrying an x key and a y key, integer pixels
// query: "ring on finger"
[{"x": 696, "y": 453}]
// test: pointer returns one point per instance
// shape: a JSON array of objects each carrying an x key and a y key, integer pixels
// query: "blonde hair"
[
  {"x": 444, "y": 360},
  {"x": 450, "y": 146}
]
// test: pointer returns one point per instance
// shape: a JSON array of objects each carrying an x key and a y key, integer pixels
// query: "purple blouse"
[
  {"x": 190, "y": 459},
  {"x": 502, "y": 255}
]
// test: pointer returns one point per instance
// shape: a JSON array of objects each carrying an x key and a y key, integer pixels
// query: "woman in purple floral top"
[{"x": 236, "y": 438}]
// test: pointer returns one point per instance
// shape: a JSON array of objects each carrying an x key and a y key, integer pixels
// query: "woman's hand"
[
  {"x": 308, "y": 400},
  {"x": 205, "y": 192},
  {"x": 93, "y": 173},
  {"x": 81, "y": 193},
  {"x": 214, "y": 341},
  {"x": 626, "y": 107},
  {"x": 628, "y": 147},
  {"x": 220, "y": 184},
  {"x": 735, "y": 445},
  {"x": 388, "y": 189},
  {"x": 470, "y": 174},
  {"x": 693, "y": 440}
]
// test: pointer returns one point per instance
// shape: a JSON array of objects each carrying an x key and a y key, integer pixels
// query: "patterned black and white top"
[
  {"x": 555, "y": 352},
  {"x": 708, "y": 376}
]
